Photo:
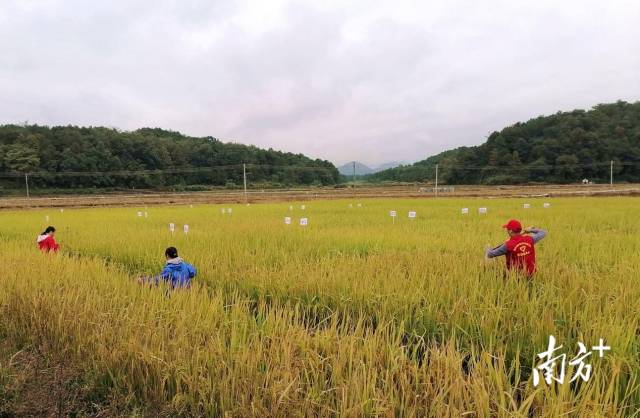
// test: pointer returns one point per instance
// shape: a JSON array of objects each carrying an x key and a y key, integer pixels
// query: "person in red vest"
[
  {"x": 519, "y": 250},
  {"x": 46, "y": 240}
]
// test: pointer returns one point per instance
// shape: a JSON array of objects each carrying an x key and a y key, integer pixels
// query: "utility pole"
[
  {"x": 436, "y": 180},
  {"x": 244, "y": 176},
  {"x": 611, "y": 174},
  {"x": 26, "y": 182},
  {"x": 354, "y": 174},
  {"x": 354, "y": 179}
]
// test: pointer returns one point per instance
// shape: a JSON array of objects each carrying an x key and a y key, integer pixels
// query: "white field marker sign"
[
  {"x": 465, "y": 211},
  {"x": 350, "y": 205},
  {"x": 412, "y": 215},
  {"x": 546, "y": 205},
  {"x": 172, "y": 227},
  {"x": 304, "y": 222},
  {"x": 482, "y": 210},
  {"x": 526, "y": 206},
  {"x": 287, "y": 220},
  {"x": 229, "y": 210},
  {"x": 61, "y": 210},
  {"x": 393, "y": 215},
  {"x": 185, "y": 228},
  {"x": 223, "y": 210},
  {"x": 46, "y": 218},
  {"x": 139, "y": 214},
  {"x": 359, "y": 205},
  {"x": 290, "y": 207},
  {"x": 303, "y": 207}
]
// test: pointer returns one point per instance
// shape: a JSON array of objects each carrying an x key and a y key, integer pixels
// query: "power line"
[
  {"x": 197, "y": 170},
  {"x": 518, "y": 167}
]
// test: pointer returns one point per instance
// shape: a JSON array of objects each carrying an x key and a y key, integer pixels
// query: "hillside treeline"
[
  {"x": 561, "y": 148},
  {"x": 96, "y": 157}
]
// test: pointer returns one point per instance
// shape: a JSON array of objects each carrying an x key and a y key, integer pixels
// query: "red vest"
[
  {"x": 47, "y": 243},
  {"x": 521, "y": 254}
]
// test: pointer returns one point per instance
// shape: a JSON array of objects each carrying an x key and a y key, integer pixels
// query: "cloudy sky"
[{"x": 369, "y": 80}]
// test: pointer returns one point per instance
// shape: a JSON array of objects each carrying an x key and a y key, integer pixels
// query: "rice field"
[{"x": 355, "y": 314}]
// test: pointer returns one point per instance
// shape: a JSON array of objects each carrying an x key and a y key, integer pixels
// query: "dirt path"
[{"x": 262, "y": 196}]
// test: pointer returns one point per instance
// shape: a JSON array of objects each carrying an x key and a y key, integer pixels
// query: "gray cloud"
[{"x": 367, "y": 80}]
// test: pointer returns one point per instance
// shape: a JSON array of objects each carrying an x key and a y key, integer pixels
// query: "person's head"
[
  {"x": 513, "y": 227},
  {"x": 171, "y": 252},
  {"x": 49, "y": 231}
]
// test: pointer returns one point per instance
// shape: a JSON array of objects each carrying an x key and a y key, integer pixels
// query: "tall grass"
[{"x": 351, "y": 316}]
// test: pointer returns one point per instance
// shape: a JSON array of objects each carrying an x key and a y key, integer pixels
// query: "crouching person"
[
  {"x": 176, "y": 272},
  {"x": 47, "y": 242}
]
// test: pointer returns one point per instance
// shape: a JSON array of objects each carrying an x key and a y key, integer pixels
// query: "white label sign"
[
  {"x": 526, "y": 206},
  {"x": 139, "y": 214},
  {"x": 303, "y": 207},
  {"x": 412, "y": 214},
  {"x": 393, "y": 213},
  {"x": 287, "y": 220},
  {"x": 482, "y": 210},
  {"x": 465, "y": 211},
  {"x": 46, "y": 218},
  {"x": 191, "y": 206},
  {"x": 223, "y": 210},
  {"x": 229, "y": 210},
  {"x": 172, "y": 227},
  {"x": 185, "y": 228},
  {"x": 61, "y": 210},
  {"x": 546, "y": 205},
  {"x": 304, "y": 221}
]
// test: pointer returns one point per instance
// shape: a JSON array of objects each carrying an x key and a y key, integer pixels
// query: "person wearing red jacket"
[
  {"x": 519, "y": 250},
  {"x": 46, "y": 240}
]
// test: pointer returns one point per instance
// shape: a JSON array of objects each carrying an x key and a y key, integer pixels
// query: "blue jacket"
[{"x": 177, "y": 273}]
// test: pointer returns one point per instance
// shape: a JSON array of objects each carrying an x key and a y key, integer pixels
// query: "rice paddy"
[{"x": 354, "y": 314}]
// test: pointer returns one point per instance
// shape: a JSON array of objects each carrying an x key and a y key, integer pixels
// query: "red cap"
[{"x": 513, "y": 225}]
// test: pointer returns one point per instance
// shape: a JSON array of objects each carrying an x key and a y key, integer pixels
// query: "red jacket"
[
  {"x": 521, "y": 254},
  {"x": 47, "y": 243}
]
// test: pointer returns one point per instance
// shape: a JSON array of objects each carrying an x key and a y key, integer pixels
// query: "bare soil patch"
[{"x": 361, "y": 192}]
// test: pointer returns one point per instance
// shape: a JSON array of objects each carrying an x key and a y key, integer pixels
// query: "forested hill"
[
  {"x": 560, "y": 148},
  {"x": 70, "y": 156}
]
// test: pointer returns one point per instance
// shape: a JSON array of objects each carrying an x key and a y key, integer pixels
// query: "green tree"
[
  {"x": 567, "y": 168},
  {"x": 175, "y": 159},
  {"x": 561, "y": 147},
  {"x": 21, "y": 158}
]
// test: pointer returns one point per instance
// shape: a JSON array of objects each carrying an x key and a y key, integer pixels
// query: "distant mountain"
[
  {"x": 361, "y": 169},
  {"x": 386, "y": 166},
  {"x": 561, "y": 148}
]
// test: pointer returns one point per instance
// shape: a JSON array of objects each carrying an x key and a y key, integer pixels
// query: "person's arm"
[
  {"x": 497, "y": 251},
  {"x": 536, "y": 233},
  {"x": 191, "y": 270},
  {"x": 165, "y": 275}
]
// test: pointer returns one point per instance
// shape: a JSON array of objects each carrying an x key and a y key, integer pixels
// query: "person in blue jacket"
[{"x": 176, "y": 272}]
